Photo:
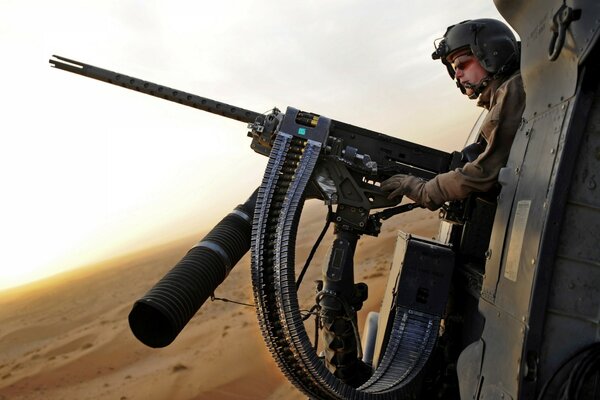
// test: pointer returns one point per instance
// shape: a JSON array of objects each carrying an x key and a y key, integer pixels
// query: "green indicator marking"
[{"x": 302, "y": 131}]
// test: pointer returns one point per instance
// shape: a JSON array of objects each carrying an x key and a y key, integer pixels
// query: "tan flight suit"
[{"x": 505, "y": 100}]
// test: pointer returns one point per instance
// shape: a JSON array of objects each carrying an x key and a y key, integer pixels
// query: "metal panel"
[
  {"x": 585, "y": 31},
  {"x": 503, "y": 336},
  {"x": 585, "y": 187},
  {"x": 581, "y": 234},
  {"x": 533, "y": 22},
  {"x": 529, "y": 167},
  {"x": 514, "y": 287},
  {"x": 468, "y": 368},
  {"x": 509, "y": 177},
  {"x": 576, "y": 289}
]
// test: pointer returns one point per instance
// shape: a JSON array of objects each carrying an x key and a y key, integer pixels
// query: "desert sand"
[{"x": 67, "y": 337}]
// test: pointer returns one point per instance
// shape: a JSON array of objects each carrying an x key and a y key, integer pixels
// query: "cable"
[
  {"x": 315, "y": 246},
  {"x": 224, "y": 300}
]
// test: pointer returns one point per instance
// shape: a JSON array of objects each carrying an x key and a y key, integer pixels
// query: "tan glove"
[
  {"x": 404, "y": 185},
  {"x": 414, "y": 188}
]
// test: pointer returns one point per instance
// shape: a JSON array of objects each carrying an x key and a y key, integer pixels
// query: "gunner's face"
[{"x": 468, "y": 70}]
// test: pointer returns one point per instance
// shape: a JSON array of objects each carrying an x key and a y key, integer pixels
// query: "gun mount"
[{"x": 520, "y": 270}]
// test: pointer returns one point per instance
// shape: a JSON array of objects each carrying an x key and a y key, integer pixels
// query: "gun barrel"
[{"x": 153, "y": 89}]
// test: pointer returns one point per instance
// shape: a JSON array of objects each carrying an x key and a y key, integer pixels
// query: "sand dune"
[{"x": 68, "y": 337}]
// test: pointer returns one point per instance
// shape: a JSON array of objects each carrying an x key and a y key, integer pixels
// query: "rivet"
[{"x": 591, "y": 184}]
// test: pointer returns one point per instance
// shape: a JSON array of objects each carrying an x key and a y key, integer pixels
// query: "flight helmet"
[{"x": 489, "y": 40}]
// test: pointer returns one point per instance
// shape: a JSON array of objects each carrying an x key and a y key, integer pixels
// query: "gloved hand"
[{"x": 405, "y": 185}]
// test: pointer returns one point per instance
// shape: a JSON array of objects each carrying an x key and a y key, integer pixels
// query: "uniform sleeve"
[{"x": 480, "y": 175}]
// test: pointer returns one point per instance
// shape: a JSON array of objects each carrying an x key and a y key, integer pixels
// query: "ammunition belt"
[{"x": 278, "y": 208}]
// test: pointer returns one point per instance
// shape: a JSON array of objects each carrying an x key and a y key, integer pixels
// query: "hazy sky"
[{"x": 90, "y": 171}]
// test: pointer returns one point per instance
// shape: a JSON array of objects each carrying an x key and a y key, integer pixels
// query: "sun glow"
[{"x": 90, "y": 170}]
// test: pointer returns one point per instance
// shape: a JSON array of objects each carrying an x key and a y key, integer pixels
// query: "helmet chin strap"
[{"x": 476, "y": 88}]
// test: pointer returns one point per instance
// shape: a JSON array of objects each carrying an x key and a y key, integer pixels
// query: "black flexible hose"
[
  {"x": 157, "y": 318},
  {"x": 588, "y": 362}
]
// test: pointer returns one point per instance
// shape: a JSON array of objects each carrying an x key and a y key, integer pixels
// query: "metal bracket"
[{"x": 560, "y": 23}]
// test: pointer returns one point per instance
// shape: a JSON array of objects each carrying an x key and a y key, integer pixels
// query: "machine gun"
[{"x": 310, "y": 156}]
